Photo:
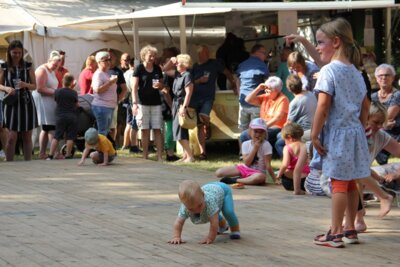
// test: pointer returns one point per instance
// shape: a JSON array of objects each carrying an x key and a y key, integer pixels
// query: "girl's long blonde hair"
[{"x": 341, "y": 28}]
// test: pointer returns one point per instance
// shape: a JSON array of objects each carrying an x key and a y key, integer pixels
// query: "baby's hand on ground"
[
  {"x": 206, "y": 241},
  {"x": 176, "y": 241},
  {"x": 301, "y": 192},
  {"x": 103, "y": 164},
  {"x": 80, "y": 163}
]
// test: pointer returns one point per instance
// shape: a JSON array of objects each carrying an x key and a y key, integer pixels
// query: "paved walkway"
[{"x": 58, "y": 214}]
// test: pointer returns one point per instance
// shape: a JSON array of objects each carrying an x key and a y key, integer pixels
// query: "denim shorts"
[
  {"x": 203, "y": 107},
  {"x": 103, "y": 117},
  {"x": 130, "y": 119}
]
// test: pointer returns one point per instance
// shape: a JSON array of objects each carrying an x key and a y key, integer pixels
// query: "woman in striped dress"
[{"x": 18, "y": 78}]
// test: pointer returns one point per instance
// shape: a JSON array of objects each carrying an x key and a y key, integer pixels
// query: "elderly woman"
[
  {"x": 274, "y": 106},
  {"x": 390, "y": 98},
  {"x": 85, "y": 78},
  {"x": 105, "y": 93},
  {"x": 146, "y": 99},
  {"x": 182, "y": 92},
  {"x": 18, "y": 78},
  {"x": 47, "y": 83},
  {"x": 303, "y": 68}
]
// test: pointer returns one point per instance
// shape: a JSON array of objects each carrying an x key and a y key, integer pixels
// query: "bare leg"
[
  {"x": 145, "y": 142},
  {"x": 201, "y": 136},
  {"x": 43, "y": 140},
  {"x": 339, "y": 204},
  {"x": 385, "y": 198},
  {"x": 53, "y": 147},
  {"x": 70, "y": 145},
  {"x": 187, "y": 153},
  {"x": 127, "y": 135},
  {"x": 230, "y": 171},
  {"x": 27, "y": 141},
  {"x": 254, "y": 179},
  {"x": 3, "y": 137},
  {"x": 10, "y": 145},
  {"x": 351, "y": 209},
  {"x": 133, "y": 137},
  {"x": 159, "y": 143}
]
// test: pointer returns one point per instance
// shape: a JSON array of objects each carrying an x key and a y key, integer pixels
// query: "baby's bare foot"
[{"x": 386, "y": 206}]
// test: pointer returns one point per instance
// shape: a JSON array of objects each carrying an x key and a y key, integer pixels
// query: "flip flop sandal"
[
  {"x": 328, "y": 240},
  {"x": 238, "y": 186}
]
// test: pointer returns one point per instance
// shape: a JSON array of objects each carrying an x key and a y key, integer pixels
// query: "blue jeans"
[
  {"x": 103, "y": 117},
  {"x": 228, "y": 210},
  {"x": 279, "y": 145}
]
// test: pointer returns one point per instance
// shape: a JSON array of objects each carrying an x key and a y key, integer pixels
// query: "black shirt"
[
  {"x": 66, "y": 99},
  {"x": 147, "y": 94}
]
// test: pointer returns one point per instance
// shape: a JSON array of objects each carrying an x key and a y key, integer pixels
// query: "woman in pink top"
[
  {"x": 294, "y": 168},
  {"x": 105, "y": 93},
  {"x": 85, "y": 78}
]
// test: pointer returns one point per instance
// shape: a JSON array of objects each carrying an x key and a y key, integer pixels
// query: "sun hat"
[
  {"x": 91, "y": 136},
  {"x": 258, "y": 123}
]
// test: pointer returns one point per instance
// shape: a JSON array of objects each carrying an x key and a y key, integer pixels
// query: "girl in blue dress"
[{"x": 338, "y": 130}]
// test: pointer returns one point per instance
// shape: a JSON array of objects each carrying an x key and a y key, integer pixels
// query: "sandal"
[
  {"x": 350, "y": 237},
  {"x": 238, "y": 186},
  {"x": 328, "y": 240},
  {"x": 202, "y": 156}
]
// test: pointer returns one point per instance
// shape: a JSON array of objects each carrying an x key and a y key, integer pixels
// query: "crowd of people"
[{"x": 318, "y": 116}]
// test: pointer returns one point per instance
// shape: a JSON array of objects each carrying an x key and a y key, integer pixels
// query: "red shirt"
[
  {"x": 85, "y": 82},
  {"x": 60, "y": 72}
]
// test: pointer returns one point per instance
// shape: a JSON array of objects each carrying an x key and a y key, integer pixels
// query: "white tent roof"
[{"x": 216, "y": 8}]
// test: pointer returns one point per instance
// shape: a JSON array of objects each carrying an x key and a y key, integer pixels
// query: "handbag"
[
  {"x": 10, "y": 99},
  {"x": 189, "y": 121}
]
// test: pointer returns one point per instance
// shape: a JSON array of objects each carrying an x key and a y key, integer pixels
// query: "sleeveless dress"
[
  {"x": 21, "y": 116},
  {"x": 46, "y": 105},
  {"x": 293, "y": 161}
]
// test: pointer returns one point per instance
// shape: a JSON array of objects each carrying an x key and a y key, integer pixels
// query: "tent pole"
[
  {"x": 182, "y": 28},
  {"x": 136, "y": 50},
  {"x": 388, "y": 35}
]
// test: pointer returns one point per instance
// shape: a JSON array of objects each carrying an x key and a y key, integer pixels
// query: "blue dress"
[{"x": 343, "y": 134}]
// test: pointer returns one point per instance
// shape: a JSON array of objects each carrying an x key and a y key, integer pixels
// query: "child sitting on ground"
[
  {"x": 66, "y": 117},
  {"x": 104, "y": 150},
  {"x": 294, "y": 168},
  {"x": 203, "y": 205},
  {"x": 257, "y": 155}
]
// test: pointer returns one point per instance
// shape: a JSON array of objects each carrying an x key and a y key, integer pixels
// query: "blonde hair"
[
  {"x": 90, "y": 60},
  {"x": 378, "y": 108},
  {"x": 293, "y": 130},
  {"x": 147, "y": 49},
  {"x": 296, "y": 58},
  {"x": 188, "y": 190},
  {"x": 341, "y": 28},
  {"x": 186, "y": 59},
  {"x": 54, "y": 55}
]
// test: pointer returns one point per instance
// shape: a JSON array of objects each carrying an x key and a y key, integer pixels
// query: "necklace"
[{"x": 383, "y": 94}]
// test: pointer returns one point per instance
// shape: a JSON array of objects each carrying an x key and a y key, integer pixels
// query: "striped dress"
[{"x": 21, "y": 116}]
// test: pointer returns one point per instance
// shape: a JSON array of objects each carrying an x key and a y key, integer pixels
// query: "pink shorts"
[{"x": 246, "y": 171}]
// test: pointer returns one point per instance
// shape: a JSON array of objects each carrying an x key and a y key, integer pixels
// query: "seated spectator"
[
  {"x": 274, "y": 107},
  {"x": 294, "y": 168},
  {"x": 304, "y": 69},
  {"x": 66, "y": 117},
  {"x": 85, "y": 78},
  {"x": 301, "y": 110},
  {"x": 389, "y": 96},
  {"x": 257, "y": 155}
]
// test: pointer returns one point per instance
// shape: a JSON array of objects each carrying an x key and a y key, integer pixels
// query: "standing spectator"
[
  {"x": 66, "y": 116},
  {"x": 105, "y": 93},
  {"x": 124, "y": 62},
  {"x": 61, "y": 71},
  {"x": 119, "y": 116},
  {"x": 204, "y": 76},
  {"x": 47, "y": 83},
  {"x": 338, "y": 132},
  {"x": 85, "y": 78},
  {"x": 232, "y": 52},
  {"x": 283, "y": 71},
  {"x": 19, "y": 117},
  {"x": 131, "y": 128},
  {"x": 389, "y": 96},
  {"x": 304, "y": 69},
  {"x": 251, "y": 73},
  {"x": 182, "y": 89},
  {"x": 146, "y": 99}
]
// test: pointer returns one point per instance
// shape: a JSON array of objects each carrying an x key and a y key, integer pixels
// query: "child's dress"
[{"x": 343, "y": 134}]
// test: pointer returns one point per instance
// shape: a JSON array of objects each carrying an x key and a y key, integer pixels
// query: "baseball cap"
[
  {"x": 91, "y": 136},
  {"x": 258, "y": 123}
]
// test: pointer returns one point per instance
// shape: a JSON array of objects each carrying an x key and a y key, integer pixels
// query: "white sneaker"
[{"x": 2, "y": 154}]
